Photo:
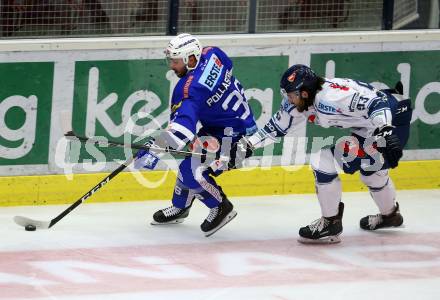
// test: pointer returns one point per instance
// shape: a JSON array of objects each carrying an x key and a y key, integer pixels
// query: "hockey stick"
[
  {"x": 23, "y": 221},
  {"x": 72, "y": 136}
]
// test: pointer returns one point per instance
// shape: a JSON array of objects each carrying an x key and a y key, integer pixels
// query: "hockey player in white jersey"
[{"x": 379, "y": 122}]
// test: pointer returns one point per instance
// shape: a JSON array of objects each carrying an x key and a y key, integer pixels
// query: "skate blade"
[
  {"x": 177, "y": 221},
  {"x": 333, "y": 239},
  {"x": 225, "y": 221}
]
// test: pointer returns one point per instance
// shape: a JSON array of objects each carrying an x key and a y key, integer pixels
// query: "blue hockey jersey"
[{"x": 211, "y": 95}]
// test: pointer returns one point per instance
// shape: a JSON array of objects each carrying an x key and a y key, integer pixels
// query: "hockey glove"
[
  {"x": 392, "y": 151},
  {"x": 239, "y": 152},
  {"x": 145, "y": 158}
]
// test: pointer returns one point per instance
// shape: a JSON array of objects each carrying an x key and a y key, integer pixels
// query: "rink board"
[
  {"x": 42, "y": 78},
  {"x": 58, "y": 189},
  {"x": 103, "y": 83}
]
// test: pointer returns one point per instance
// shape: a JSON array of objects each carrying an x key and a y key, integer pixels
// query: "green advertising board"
[
  {"x": 107, "y": 93},
  {"x": 104, "y": 94},
  {"x": 25, "y": 112}
]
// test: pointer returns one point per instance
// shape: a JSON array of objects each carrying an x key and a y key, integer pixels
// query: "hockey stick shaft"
[
  {"x": 90, "y": 192},
  {"x": 84, "y": 139}
]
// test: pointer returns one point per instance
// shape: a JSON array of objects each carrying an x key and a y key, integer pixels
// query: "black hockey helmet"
[{"x": 299, "y": 78}]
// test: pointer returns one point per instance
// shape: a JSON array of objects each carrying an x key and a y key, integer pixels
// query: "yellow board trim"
[{"x": 57, "y": 189}]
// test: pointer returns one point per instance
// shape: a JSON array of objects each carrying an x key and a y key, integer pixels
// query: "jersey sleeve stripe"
[
  {"x": 278, "y": 128},
  {"x": 180, "y": 136},
  {"x": 182, "y": 129},
  {"x": 179, "y": 142}
]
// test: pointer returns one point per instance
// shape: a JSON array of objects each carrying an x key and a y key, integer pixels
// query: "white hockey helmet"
[{"x": 183, "y": 46}]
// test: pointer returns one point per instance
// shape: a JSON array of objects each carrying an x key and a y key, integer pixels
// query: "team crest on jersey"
[{"x": 212, "y": 72}]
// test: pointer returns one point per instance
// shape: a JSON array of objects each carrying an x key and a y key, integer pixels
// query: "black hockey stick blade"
[{"x": 23, "y": 221}]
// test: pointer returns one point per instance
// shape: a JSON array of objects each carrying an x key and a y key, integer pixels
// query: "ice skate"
[
  {"x": 373, "y": 222},
  {"x": 170, "y": 215},
  {"x": 218, "y": 217},
  {"x": 325, "y": 230}
]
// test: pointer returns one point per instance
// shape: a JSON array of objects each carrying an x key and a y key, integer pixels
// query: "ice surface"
[{"x": 109, "y": 251}]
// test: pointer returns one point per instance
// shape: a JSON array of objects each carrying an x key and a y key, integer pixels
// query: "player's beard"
[
  {"x": 182, "y": 73},
  {"x": 304, "y": 104}
]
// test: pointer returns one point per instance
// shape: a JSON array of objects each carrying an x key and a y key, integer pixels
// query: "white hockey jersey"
[{"x": 343, "y": 103}]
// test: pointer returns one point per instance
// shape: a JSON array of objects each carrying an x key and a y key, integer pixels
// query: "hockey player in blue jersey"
[
  {"x": 379, "y": 122},
  {"x": 207, "y": 94}
]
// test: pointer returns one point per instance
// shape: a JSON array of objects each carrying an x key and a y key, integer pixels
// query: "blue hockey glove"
[{"x": 145, "y": 158}]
